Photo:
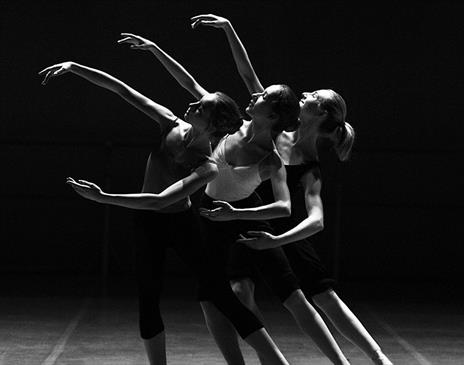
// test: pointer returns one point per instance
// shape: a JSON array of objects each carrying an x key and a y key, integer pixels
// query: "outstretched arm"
[
  {"x": 239, "y": 52},
  {"x": 312, "y": 224},
  {"x": 148, "y": 201},
  {"x": 155, "y": 111},
  {"x": 175, "y": 68}
]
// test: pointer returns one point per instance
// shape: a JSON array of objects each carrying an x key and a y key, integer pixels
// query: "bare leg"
[
  {"x": 156, "y": 349},
  {"x": 224, "y": 334},
  {"x": 226, "y": 338},
  {"x": 311, "y": 323},
  {"x": 350, "y": 326},
  {"x": 267, "y": 350},
  {"x": 244, "y": 289}
]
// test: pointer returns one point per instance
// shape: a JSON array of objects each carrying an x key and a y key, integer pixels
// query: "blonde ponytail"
[{"x": 344, "y": 141}]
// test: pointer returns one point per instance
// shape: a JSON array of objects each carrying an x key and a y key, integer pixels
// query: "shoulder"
[
  {"x": 273, "y": 161},
  {"x": 311, "y": 180},
  {"x": 207, "y": 169}
]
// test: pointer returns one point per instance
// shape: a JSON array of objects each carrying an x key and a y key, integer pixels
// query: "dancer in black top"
[
  {"x": 176, "y": 168},
  {"x": 322, "y": 115}
]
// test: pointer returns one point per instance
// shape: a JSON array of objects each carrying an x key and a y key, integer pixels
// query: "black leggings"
[
  {"x": 240, "y": 260},
  {"x": 181, "y": 231}
]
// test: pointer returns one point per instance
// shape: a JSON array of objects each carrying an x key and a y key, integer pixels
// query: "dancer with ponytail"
[{"x": 322, "y": 116}]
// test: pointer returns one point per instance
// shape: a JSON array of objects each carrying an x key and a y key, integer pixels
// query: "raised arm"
[
  {"x": 148, "y": 201},
  {"x": 175, "y": 68},
  {"x": 239, "y": 52},
  {"x": 157, "y": 112}
]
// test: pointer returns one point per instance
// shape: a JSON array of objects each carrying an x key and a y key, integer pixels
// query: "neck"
[
  {"x": 259, "y": 132},
  {"x": 301, "y": 147},
  {"x": 197, "y": 137}
]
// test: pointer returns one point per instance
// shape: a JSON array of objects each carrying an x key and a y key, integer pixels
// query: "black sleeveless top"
[{"x": 294, "y": 175}]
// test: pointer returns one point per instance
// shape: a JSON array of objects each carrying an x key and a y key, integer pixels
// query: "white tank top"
[{"x": 232, "y": 182}]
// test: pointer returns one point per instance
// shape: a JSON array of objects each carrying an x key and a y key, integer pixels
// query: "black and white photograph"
[{"x": 231, "y": 182}]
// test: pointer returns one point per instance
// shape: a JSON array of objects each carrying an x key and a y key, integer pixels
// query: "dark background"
[{"x": 394, "y": 212}]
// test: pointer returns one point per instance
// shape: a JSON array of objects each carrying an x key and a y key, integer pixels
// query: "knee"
[
  {"x": 244, "y": 290},
  {"x": 295, "y": 300},
  {"x": 326, "y": 299}
]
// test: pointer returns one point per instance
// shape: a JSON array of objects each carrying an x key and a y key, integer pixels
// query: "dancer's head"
[
  {"x": 277, "y": 106},
  {"x": 215, "y": 113},
  {"x": 323, "y": 112}
]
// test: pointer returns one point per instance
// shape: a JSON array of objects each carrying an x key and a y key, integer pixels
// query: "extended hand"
[
  {"x": 259, "y": 240},
  {"x": 209, "y": 20},
  {"x": 136, "y": 42},
  {"x": 86, "y": 189},
  {"x": 55, "y": 70},
  {"x": 224, "y": 212}
]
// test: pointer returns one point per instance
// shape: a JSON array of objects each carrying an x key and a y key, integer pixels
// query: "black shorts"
[
  {"x": 308, "y": 268},
  {"x": 240, "y": 260}
]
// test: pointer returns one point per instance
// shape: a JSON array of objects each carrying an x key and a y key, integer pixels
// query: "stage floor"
[{"x": 47, "y": 320}]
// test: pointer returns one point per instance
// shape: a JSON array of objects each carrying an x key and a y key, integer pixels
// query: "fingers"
[
  {"x": 75, "y": 185},
  {"x": 79, "y": 183},
  {"x": 244, "y": 239},
  {"x": 202, "y": 17},
  {"x": 256, "y": 233},
  {"x": 46, "y": 69},
  {"x": 194, "y": 24},
  {"x": 221, "y": 203},
  {"x": 125, "y": 40},
  {"x": 202, "y": 22},
  {"x": 85, "y": 182},
  {"x": 130, "y": 38},
  {"x": 47, "y": 77},
  {"x": 129, "y": 35}
]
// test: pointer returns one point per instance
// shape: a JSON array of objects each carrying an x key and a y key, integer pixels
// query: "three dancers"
[{"x": 277, "y": 147}]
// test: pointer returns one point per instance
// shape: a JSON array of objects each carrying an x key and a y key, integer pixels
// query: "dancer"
[
  {"x": 323, "y": 114},
  {"x": 176, "y": 167},
  {"x": 245, "y": 159}
]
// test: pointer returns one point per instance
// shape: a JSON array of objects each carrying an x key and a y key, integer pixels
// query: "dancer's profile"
[
  {"x": 322, "y": 115},
  {"x": 178, "y": 166}
]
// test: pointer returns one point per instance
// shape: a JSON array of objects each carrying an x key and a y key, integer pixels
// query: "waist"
[
  {"x": 233, "y": 186},
  {"x": 253, "y": 200}
]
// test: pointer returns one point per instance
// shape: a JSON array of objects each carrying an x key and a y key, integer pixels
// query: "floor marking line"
[
  {"x": 59, "y": 346},
  {"x": 405, "y": 344}
]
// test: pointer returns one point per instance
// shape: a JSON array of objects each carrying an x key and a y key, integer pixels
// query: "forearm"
[
  {"x": 242, "y": 61},
  {"x": 140, "y": 201},
  {"x": 98, "y": 78},
  {"x": 311, "y": 225},
  {"x": 175, "y": 69},
  {"x": 269, "y": 211}
]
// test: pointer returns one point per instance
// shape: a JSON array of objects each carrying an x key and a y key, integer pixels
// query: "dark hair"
[
  {"x": 335, "y": 127},
  {"x": 225, "y": 116},
  {"x": 287, "y": 107}
]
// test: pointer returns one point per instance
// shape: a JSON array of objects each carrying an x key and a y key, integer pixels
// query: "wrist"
[
  {"x": 103, "y": 198},
  {"x": 227, "y": 26}
]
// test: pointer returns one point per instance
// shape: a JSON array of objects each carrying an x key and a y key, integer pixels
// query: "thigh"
[
  {"x": 150, "y": 248},
  {"x": 188, "y": 241},
  {"x": 308, "y": 268}
]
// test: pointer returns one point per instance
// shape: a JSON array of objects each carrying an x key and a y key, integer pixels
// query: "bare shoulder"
[
  {"x": 311, "y": 182},
  {"x": 273, "y": 161}
]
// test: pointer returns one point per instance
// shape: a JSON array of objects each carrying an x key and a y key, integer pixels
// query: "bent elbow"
[
  {"x": 286, "y": 210},
  {"x": 155, "y": 204},
  {"x": 211, "y": 174},
  {"x": 319, "y": 224}
]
